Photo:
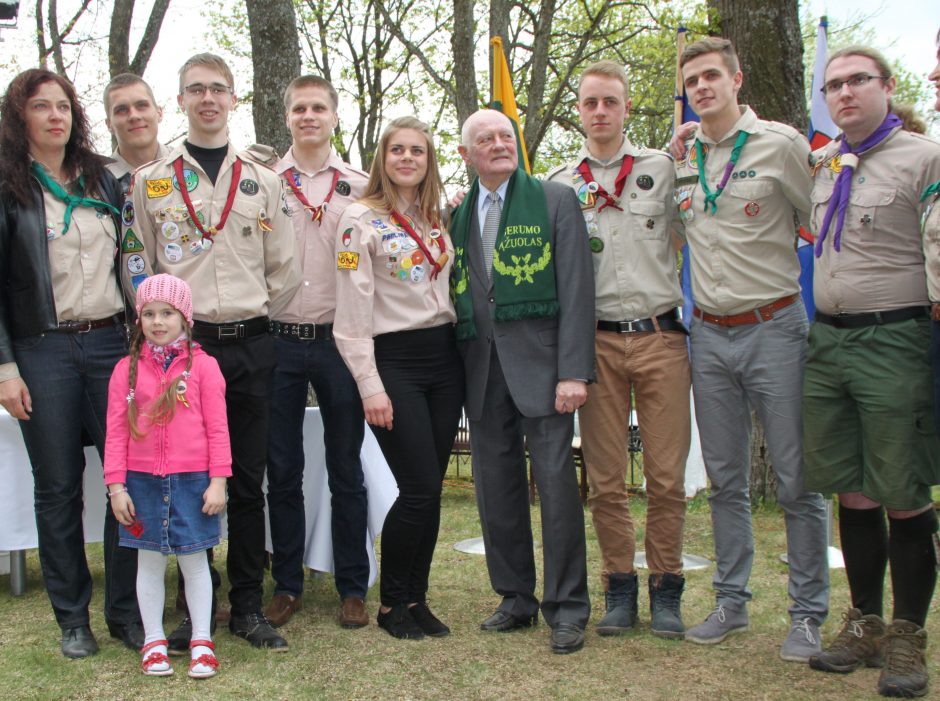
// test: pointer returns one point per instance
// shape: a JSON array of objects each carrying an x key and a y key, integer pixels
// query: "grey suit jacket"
[{"x": 535, "y": 354}]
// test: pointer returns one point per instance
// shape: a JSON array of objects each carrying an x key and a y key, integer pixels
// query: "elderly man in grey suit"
[{"x": 524, "y": 293}]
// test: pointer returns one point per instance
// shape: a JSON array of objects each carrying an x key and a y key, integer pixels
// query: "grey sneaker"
[
  {"x": 802, "y": 641},
  {"x": 720, "y": 623}
]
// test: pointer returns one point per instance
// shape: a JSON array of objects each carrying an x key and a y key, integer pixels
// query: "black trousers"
[
  {"x": 423, "y": 377},
  {"x": 247, "y": 365}
]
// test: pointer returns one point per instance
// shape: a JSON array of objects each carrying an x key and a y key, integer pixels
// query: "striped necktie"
[{"x": 490, "y": 229}]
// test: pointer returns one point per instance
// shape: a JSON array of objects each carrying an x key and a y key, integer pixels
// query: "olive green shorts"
[{"x": 868, "y": 421}]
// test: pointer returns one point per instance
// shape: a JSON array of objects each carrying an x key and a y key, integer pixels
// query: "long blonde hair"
[
  {"x": 163, "y": 408},
  {"x": 381, "y": 193}
]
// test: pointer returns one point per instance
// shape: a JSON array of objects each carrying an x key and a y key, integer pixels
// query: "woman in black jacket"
[{"x": 61, "y": 333}]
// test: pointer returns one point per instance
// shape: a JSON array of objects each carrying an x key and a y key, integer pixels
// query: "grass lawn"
[{"x": 330, "y": 663}]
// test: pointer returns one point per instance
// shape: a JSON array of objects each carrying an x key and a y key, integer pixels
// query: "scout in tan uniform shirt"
[
  {"x": 218, "y": 220},
  {"x": 626, "y": 196},
  {"x": 319, "y": 187},
  {"x": 395, "y": 330},
  {"x": 869, "y": 424},
  {"x": 740, "y": 188}
]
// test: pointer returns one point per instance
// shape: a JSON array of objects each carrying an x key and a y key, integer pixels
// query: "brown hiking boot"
[
  {"x": 905, "y": 671},
  {"x": 859, "y": 642}
]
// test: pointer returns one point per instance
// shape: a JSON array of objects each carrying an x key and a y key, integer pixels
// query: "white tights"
[{"x": 151, "y": 592}]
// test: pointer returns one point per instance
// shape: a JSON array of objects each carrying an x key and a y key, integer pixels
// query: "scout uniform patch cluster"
[{"x": 174, "y": 217}]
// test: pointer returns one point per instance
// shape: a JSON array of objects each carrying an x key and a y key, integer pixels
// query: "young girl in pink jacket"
[{"x": 166, "y": 458}]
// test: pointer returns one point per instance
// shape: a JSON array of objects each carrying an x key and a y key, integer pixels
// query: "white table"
[{"x": 18, "y": 521}]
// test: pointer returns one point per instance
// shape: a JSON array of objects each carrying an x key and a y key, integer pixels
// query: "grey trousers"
[
  {"x": 758, "y": 366},
  {"x": 497, "y": 446}
]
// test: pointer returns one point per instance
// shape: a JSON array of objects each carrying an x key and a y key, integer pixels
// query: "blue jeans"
[
  {"x": 67, "y": 375},
  {"x": 935, "y": 361},
  {"x": 319, "y": 363}
]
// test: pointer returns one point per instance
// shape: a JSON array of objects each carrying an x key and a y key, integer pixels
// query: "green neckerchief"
[
  {"x": 711, "y": 198},
  {"x": 71, "y": 201},
  {"x": 930, "y": 190},
  {"x": 523, "y": 268}
]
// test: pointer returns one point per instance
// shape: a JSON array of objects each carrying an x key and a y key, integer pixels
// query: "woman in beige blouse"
[{"x": 394, "y": 328}]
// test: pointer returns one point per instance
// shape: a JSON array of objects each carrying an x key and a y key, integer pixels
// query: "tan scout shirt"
[
  {"x": 81, "y": 266},
  {"x": 931, "y": 231},
  {"x": 634, "y": 257},
  {"x": 247, "y": 271},
  {"x": 315, "y": 299},
  {"x": 81, "y": 263},
  {"x": 881, "y": 264},
  {"x": 120, "y": 167},
  {"x": 744, "y": 256},
  {"x": 383, "y": 284}
]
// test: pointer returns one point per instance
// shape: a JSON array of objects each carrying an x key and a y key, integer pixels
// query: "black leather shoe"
[
  {"x": 567, "y": 638},
  {"x": 131, "y": 634},
  {"x": 255, "y": 628},
  {"x": 503, "y": 622},
  {"x": 78, "y": 642}
]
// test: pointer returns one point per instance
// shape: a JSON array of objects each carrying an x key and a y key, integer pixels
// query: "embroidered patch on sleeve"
[{"x": 347, "y": 260}]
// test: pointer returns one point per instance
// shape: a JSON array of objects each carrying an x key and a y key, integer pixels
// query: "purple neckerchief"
[{"x": 840, "y": 193}]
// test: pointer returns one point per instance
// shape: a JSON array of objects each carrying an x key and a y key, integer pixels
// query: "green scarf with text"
[{"x": 523, "y": 266}]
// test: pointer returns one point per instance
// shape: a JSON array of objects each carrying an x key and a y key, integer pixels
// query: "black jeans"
[
  {"x": 247, "y": 365},
  {"x": 423, "y": 377},
  {"x": 67, "y": 375},
  {"x": 319, "y": 363}
]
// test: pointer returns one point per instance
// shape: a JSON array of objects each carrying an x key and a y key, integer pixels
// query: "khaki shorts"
[{"x": 868, "y": 421}]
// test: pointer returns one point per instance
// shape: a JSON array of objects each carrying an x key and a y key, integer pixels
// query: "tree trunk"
[
  {"x": 767, "y": 37},
  {"x": 275, "y": 51}
]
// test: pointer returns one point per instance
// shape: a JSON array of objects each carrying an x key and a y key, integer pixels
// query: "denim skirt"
[{"x": 169, "y": 513}]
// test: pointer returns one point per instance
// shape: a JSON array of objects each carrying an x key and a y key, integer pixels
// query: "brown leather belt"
[
  {"x": 84, "y": 326},
  {"x": 754, "y": 316},
  {"x": 935, "y": 311}
]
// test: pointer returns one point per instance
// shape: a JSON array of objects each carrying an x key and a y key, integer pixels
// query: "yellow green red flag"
[{"x": 503, "y": 99}]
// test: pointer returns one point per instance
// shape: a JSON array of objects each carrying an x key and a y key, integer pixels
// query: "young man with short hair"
[
  {"x": 740, "y": 189},
  {"x": 133, "y": 118},
  {"x": 319, "y": 186},
  {"x": 626, "y": 196},
  {"x": 217, "y": 218}
]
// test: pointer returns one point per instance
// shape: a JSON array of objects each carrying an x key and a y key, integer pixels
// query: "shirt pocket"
[
  {"x": 870, "y": 210},
  {"x": 245, "y": 227},
  {"x": 648, "y": 219}
]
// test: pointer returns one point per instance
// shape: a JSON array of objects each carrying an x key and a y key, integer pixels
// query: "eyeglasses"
[
  {"x": 854, "y": 82},
  {"x": 198, "y": 89}
]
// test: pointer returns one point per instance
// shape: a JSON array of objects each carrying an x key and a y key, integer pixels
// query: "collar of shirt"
[
  {"x": 289, "y": 161},
  {"x": 180, "y": 150},
  {"x": 483, "y": 202},
  {"x": 746, "y": 122},
  {"x": 626, "y": 149}
]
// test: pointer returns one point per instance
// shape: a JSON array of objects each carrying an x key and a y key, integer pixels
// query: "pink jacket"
[{"x": 195, "y": 440}]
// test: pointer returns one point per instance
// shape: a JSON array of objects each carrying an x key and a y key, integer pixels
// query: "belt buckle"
[
  {"x": 626, "y": 326},
  {"x": 231, "y": 332},
  {"x": 82, "y": 326},
  {"x": 304, "y": 334}
]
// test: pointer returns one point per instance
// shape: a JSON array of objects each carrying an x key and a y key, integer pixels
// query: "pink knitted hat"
[{"x": 169, "y": 289}]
